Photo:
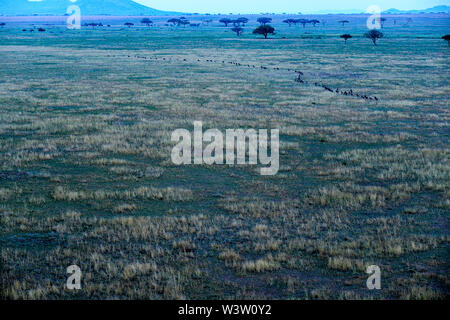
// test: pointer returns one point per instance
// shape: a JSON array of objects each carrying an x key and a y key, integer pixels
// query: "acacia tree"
[
  {"x": 238, "y": 30},
  {"x": 2, "y": 24},
  {"x": 129, "y": 24},
  {"x": 303, "y": 22},
  {"x": 174, "y": 21},
  {"x": 184, "y": 22},
  {"x": 346, "y": 37},
  {"x": 447, "y": 38},
  {"x": 314, "y": 22},
  {"x": 226, "y": 21},
  {"x": 264, "y": 20},
  {"x": 374, "y": 35},
  {"x": 382, "y": 21},
  {"x": 147, "y": 22},
  {"x": 240, "y": 21},
  {"x": 344, "y": 22},
  {"x": 265, "y": 30},
  {"x": 290, "y": 22}
]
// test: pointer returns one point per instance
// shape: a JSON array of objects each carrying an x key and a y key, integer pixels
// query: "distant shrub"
[
  {"x": 41, "y": 30},
  {"x": 93, "y": 25},
  {"x": 447, "y": 38},
  {"x": 343, "y": 22},
  {"x": 128, "y": 24},
  {"x": 2, "y": 24},
  {"x": 265, "y": 30},
  {"x": 374, "y": 35}
]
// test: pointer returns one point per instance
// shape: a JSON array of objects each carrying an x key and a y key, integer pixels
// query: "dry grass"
[{"x": 86, "y": 176}]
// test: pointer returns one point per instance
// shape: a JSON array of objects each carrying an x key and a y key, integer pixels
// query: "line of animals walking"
[{"x": 298, "y": 79}]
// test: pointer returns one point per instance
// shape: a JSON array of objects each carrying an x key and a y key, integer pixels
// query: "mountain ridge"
[
  {"x": 435, "y": 9},
  {"x": 131, "y": 8}
]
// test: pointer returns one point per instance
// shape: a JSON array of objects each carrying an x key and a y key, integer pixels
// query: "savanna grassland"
[{"x": 86, "y": 177}]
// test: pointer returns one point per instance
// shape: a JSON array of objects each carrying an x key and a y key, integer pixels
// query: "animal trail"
[{"x": 298, "y": 79}]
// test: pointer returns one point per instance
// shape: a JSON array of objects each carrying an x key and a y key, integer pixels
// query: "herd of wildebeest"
[{"x": 264, "y": 29}]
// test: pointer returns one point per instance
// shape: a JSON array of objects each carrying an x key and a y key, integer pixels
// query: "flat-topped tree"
[
  {"x": 147, "y": 22},
  {"x": 447, "y": 38},
  {"x": 2, "y": 24},
  {"x": 314, "y": 22},
  {"x": 174, "y": 21},
  {"x": 290, "y": 22},
  {"x": 265, "y": 30},
  {"x": 184, "y": 22},
  {"x": 226, "y": 21},
  {"x": 303, "y": 22},
  {"x": 296, "y": 21},
  {"x": 240, "y": 21},
  {"x": 346, "y": 37},
  {"x": 264, "y": 20},
  {"x": 343, "y": 22},
  {"x": 238, "y": 30},
  {"x": 128, "y": 24},
  {"x": 374, "y": 35}
]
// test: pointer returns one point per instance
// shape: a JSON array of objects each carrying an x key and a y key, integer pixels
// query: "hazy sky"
[{"x": 280, "y": 6}]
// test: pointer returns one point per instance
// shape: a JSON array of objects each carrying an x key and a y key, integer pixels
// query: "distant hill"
[
  {"x": 131, "y": 8},
  {"x": 435, "y": 9},
  {"x": 88, "y": 7}
]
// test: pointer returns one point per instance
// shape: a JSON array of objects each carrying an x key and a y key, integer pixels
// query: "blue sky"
[{"x": 280, "y": 6}]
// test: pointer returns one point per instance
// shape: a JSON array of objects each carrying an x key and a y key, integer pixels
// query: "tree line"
[{"x": 264, "y": 28}]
